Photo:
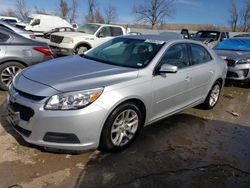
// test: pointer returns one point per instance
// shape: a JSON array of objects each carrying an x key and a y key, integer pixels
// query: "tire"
[
  {"x": 7, "y": 72},
  {"x": 80, "y": 50},
  {"x": 123, "y": 134},
  {"x": 213, "y": 96}
]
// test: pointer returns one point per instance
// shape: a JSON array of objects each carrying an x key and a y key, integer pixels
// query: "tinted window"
[
  {"x": 223, "y": 36},
  {"x": 176, "y": 55},
  {"x": 3, "y": 37},
  {"x": 116, "y": 31},
  {"x": 207, "y": 34},
  {"x": 199, "y": 54},
  {"x": 234, "y": 44},
  {"x": 135, "y": 53},
  {"x": 88, "y": 28},
  {"x": 105, "y": 32},
  {"x": 35, "y": 22},
  {"x": 10, "y": 21}
]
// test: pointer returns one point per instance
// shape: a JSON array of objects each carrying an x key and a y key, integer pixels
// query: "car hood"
[
  {"x": 75, "y": 73},
  {"x": 232, "y": 55},
  {"x": 72, "y": 34}
]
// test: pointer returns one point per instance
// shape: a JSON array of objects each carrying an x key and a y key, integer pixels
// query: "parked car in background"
[
  {"x": 10, "y": 20},
  {"x": 16, "y": 53},
  {"x": 26, "y": 34},
  {"x": 103, "y": 98},
  {"x": 185, "y": 33},
  {"x": 56, "y": 30},
  {"x": 236, "y": 51},
  {"x": 40, "y": 23},
  {"x": 86, "y": 37},
  {"x": 210, "y": 37},
  {"x": 243, "y": 35}
]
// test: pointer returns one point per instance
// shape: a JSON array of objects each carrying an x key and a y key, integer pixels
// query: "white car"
[
  {"x": 86, "y": 37},
  {"x": 40, "y": 23},
  {"x": 26, "y": 34}
]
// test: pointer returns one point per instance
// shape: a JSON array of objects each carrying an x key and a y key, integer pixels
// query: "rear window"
[{"x": 4, "y": 37}]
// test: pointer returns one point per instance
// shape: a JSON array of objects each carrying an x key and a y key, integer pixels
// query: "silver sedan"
[
  {"x": 236, "y": 52},
  {"x": 103, "y": 98}
]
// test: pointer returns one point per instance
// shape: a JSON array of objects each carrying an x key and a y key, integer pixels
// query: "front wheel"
[
  {"x": 213, "y": 96},
  {"x": 7, "y": 72},
  {"x": 121, "y": 127},
  {"x": 80, "y": 50}
]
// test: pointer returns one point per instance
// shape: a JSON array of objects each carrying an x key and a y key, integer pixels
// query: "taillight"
[
  {"x": 46, "y": 51},
  {"x": 33, "y": 37}
]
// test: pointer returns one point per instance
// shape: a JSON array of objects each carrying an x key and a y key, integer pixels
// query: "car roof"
[
  {"x": 105, "y": 24},
  {"x": 164, "y": 38},
  {"x": 215, "y": 31}
]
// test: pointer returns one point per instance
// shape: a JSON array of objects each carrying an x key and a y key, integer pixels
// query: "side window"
[
  {"x": 116, "y": 31},
  {"x": 199, "y": 54},
  {"x": 35, "y": 22},
  {"x": 176, "y": 55},
  {"x": 105, "y": 32},
  {"x": 3, "y": 37},
  {"x": 223, "y": 36}
]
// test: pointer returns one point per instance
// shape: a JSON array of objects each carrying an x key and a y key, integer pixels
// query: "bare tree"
[
  {"x": 94, "y": 14},
  {"x": 110, "y": 14},
  {"x": 245, "y": 17},
  {"x": 154, "y": 11},
  {"x": 98, "y": 17},
  {"x": 22, "y": 9},
  {"x": 64, "y": 9},
  {"x": 234, "y": 15},
  {"x": 40, "y": 10},
  {"x": 90, "y": 17},
  {"x": 74, "y": 8},
  {"x": 9, "y": 12}
]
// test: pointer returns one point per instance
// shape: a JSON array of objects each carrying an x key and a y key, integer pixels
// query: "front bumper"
[
  {"x": 239, "y": 72},
  {"x": 67, "y": 130}
]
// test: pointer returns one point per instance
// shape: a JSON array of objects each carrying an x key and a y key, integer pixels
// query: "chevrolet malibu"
[{"x": 103, "y": 98}]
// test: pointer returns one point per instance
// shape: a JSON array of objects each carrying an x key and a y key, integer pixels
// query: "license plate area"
[{"x": 13, "y": 117}]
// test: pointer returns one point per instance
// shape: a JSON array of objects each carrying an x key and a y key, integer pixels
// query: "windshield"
[
  {"x": 207, "y": 34},
  {"x": 234, "y": 44},
  {"x": 88, "y": 28},
  {"x": 126, "y": 52}
]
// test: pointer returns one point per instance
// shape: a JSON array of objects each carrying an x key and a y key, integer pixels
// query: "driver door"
[
  {"x": 103, "y": 35},
  {"x": 171, "y": 90}
]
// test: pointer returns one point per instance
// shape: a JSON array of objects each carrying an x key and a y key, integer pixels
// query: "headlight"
[
  {"x": 67, "y": 40},
  {"x": 73, "y": 100},
  {"x": 243, "y": 61}
]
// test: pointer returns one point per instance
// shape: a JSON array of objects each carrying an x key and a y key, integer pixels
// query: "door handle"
[
  {"x": 188, "y": 78},
  {"x": 211, "y": 71}
]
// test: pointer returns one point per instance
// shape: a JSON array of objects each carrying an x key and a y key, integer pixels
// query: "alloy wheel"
[{"x": 124, "y": 127}]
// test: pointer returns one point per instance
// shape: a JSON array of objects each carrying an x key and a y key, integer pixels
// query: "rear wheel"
[
  {"x": 213, "y": 96},
  {"x": 7, "y": 72},
  {"x": 121, "y": 127}
]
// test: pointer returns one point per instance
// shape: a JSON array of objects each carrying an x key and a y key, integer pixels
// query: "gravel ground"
[{"x": 195, "y": 148}]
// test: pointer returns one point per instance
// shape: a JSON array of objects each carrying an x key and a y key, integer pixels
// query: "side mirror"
[
  {"x": 101, "y": 35},
  {"x": 166, "y": 68}
]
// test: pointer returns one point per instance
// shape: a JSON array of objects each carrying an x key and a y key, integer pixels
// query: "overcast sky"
[{"x": 187, "y": 11}]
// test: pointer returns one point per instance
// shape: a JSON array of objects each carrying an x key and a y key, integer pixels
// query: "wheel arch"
[
  {"x": 14, "y": 60},
  {"x": 86, "y": 44}
]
